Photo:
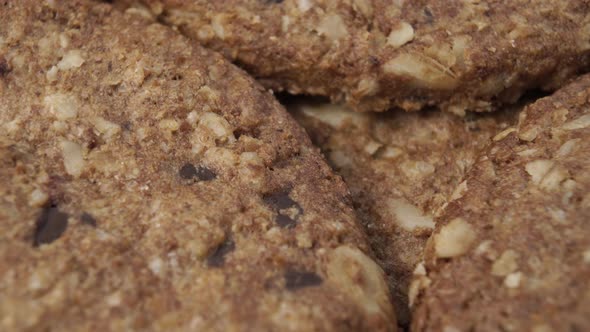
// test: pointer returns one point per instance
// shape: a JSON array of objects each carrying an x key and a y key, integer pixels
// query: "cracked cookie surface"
[
  {"x": 148, "y": 184},
  {"x": 375, "y": 54},
  {"x": 401, "y": 169},
  {"x": 511, "y": 252}
]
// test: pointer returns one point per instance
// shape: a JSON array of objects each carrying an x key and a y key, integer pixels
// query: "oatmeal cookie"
[
  {"x": 375, "y": 54},
  {"x": 511, "y": 252},
  {"x": 401, "y": 168},
  {"x": 147, "y": 184}
]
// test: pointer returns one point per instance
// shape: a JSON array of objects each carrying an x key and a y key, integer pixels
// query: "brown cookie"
[
  {"x": 401, "y": 168},
  {"x": 375, "y": 54},
  {"x": 147, "y": 184},
  {"x": 511, "y": 252}
]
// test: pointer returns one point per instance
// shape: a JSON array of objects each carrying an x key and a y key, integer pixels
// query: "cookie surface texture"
[
  {"x": 375, "y": 54},
  {"x": 512, "y": 251},
  {"x": 147, "y": 184},
  {"x": 401, "y": 169}
]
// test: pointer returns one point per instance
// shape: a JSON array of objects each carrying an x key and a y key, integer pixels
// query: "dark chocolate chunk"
[
  {"x": 274, "y": 1},
  {"x": 4, "y": 69},
  {"x": 205, "y": 174},
  {"x": 374, "y": 60},
  {"x": 188, "y": 171},
  {"x": 285, "y": 221},
  {"x": 217, "y": 258},
  {"x": 88, "y": 219},
  {"x": 299, "y": 279},
  {"x": 279, "y": 200},
  {"x": 50, "y": 225},
  {"x": 429, "y": 15}
]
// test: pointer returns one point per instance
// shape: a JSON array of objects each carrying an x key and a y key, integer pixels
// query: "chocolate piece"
[
  {"x": 285, "y": 221},
  {"x": 187, "y": 171},
  {"x": 279, "y": 200},
  {"x": 217, "y": 258},
  {"x": 295, "y": 279},
  {"x": 50, "y": 225},
  {"x": 4, "y": 69},
  {"x": 200, "y": 173},
  {"x": 88, "y": 219}
]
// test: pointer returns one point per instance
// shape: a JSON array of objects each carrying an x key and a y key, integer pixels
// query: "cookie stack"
[{"x": 295, "y": 165}]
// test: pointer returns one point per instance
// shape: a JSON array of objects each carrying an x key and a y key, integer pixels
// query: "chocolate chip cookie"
[
  {"x": 401, "y": 168},
  {"x": 375, "y": 54},
  {"x": 147, "y": 184},
  {"x": 511, "y": 252}
]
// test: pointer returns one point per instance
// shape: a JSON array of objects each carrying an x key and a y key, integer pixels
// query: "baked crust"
[
  {"x": 148, "y": 184},
  {"x": 512, "y": 251},
  {"x": 377, "y": 54},
  {"x": 401, "y": 169}
]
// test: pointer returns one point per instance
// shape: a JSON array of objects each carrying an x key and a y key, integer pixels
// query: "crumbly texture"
[
  {"x": 375, "y": 54},
  {"x": 147, "y": 184},
  {"x": 512, "y": 251},
  {"x": 401, "y": 168}
]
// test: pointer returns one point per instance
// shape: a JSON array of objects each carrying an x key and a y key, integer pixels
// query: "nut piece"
[
  {"x": 251, "y": 158},
  {"x": 62, "y": 106},
  {"x": 304, "y": 5},
  {"x": 542, "y": 328},
  {"x": 503, "y": 134},
  {"x": 417, "y": 169},
  {"x": 454, "y": 239},
  {"x": 527, "y": 134},
  {"x": 361, "y": 278},
  {"x": 513, "y": 280},
  {"x": 528, "y": 152},
  {"x": 554, "y": 178},
  {"x": 424, "y": 72},
  {"x": 107, "y": 128},
  {"x": 340, "y": 159},
  {"x": 52, "y": 74},
  {"x": 73, "y": 160},
  {"x": 333, "y": 27},
  {"x": 335, "y": 116},
  {"x": 72, "y": 59},
  {"x": 170, "y": 125},
  {"x": 579, "y": 123},
  {"x": 156, "y": 264},
  {"x": 38, "y": 198},
  {"x": 546, "y": 174},
  {"x": 416, "y": 286},
  {"x": 506, "y": 264},
  {"x": 371, "y": 147},
  {"x": 408, "y": 216},
  {"x": 400, "y": 35},
  {"x": 217, "y": 25},
  {"x": 459, "y": 191},
  {"x": 567, "y": 147},
  {"x": 538, "y": 169},
  {"x": 365, "y": 7},
  {"x": 218, "y": 125}
]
